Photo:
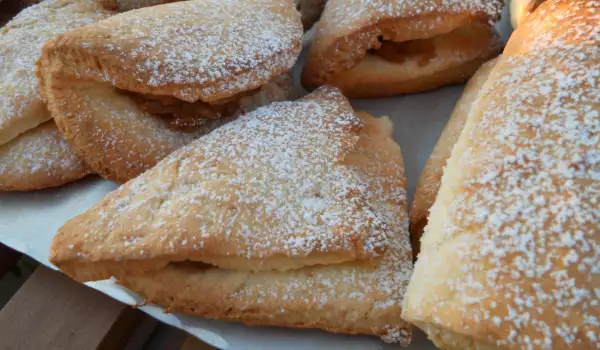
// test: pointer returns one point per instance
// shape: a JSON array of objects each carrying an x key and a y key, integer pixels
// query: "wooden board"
[
  {"x": 191, "y": 343},
  {"x": 8, "y": 259},
  {"x": 53, "y": 312}
]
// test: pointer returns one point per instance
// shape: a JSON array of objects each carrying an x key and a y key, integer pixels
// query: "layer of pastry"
[
  {"x": 21, "y": 42},
  {"x": 354, "y": 297},
  {"x": 429, "y": 181},
  {"x": 509, "y": 257},
  {"x": 266, "y": 191},
  {"x": 39, "y": 158},
  {"x": 190, "y": 51},
  {"x": 182, "y": 115},
  {"x": 349, "y": 29},
  {"x": 418, "y": 65},
  {"x": 120, "y": 141},
  {"x": 204, "y": 50}
]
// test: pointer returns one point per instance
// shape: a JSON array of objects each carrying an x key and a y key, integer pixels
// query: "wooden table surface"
[{"x": 52, "y": 312}]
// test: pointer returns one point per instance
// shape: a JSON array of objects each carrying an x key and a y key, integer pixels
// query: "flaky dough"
[
  {"x": 37, "y": 159},
  {"x": 509, "y": 258},
  {"x": 429, "y": 181},
  {"x": 196, "y": 51},
  {"x": 341, "y": 53}
]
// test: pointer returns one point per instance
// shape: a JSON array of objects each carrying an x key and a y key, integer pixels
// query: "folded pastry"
[
  {"x": 292, "y": 215},
  {"x": 520, "y": 9},
  {"x": 509, "y": 258},
  {"x": 39, "y": 158},
  {"x": 32, "y": 153},
  {"x": 21, "y": 42},
  {"x": 388, "y": 47},
  {"x": 429, "y": 181},
  {"x": 129, "y": 90}
]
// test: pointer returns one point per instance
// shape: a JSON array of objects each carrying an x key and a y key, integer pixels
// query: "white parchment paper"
[{"x": 29, "y": 220}]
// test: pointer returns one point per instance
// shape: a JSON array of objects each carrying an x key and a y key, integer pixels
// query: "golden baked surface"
[
  {"x": 39, "y": 158},
  {"x": 192, "y": 50},
  {"x": 353, "y": 297},
  {"x": 21, "y": 42},
  {"x": 201, "y": 52},
  {"x": 349, "y": 29},
  {"x": 429, "y": 181},
  {"x": 510, "y": 256},
  {"x": 266, "y": 191}
]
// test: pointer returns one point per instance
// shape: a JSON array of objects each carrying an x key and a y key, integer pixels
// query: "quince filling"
[
  {"x": 181, "y": 115},
  {"x": 423, "y": 51}
]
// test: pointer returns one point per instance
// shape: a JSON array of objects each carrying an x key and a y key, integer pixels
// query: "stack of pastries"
[{"x": 240, "y": 202}]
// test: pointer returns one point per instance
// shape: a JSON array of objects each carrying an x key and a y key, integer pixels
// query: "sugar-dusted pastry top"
[
  {"x": 21, "y": 42},
  {"x": 266, "y": 191},
  {"x": 348, "y": 29},
  {"x": 194, "y": 50},
  {"x": 39, "y": 158},
  {"x": 510, "y": 256},
  {"x": 353, "y": 297}
]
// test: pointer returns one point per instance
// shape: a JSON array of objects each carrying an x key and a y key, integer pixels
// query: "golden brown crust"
[
  {"x": 37, "y": 159},
  {"x": 170, "y": 54},
  {"x": 118, "y": 140},
  {"x": 508, "y": 258},
  {"x": 456, "y": 57},
  {"x": 21, "y": 42},
  {"x": 349, "y": 29},
  {"x": 429, "y": 181},
  {"x": 246, "y": 199},
  {"x": 155, "y": 57},
  {"x": 354, "y": 297}
]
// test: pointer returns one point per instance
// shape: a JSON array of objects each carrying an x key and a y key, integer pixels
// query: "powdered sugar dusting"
[
  {"x": 524, "y": 222},
  {"x": 194, "y": 49},
  {"x": 349, "y": 29},
  {"x": 21, "y": 42},
  {"x": 242, "y": 191},
  {"x": 354, "y": 297},
  {"x": 343, "y": 14},
  {"x": 39, "y": 157}
]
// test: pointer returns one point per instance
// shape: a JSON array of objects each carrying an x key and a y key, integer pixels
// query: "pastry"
[
  {"x": 129, "y": 90},
  {"x": 292, "y": 215},
  {"x": 32, "y": 153},
  {"x": 39, "y": 158},
  {"x": 509, "y": 258},
  {"x": 21, "y": 42},
  {"x": 429, "y": 181},
  {"x": 520, "y": 9},
  {"x": 388, "y": 47}
]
